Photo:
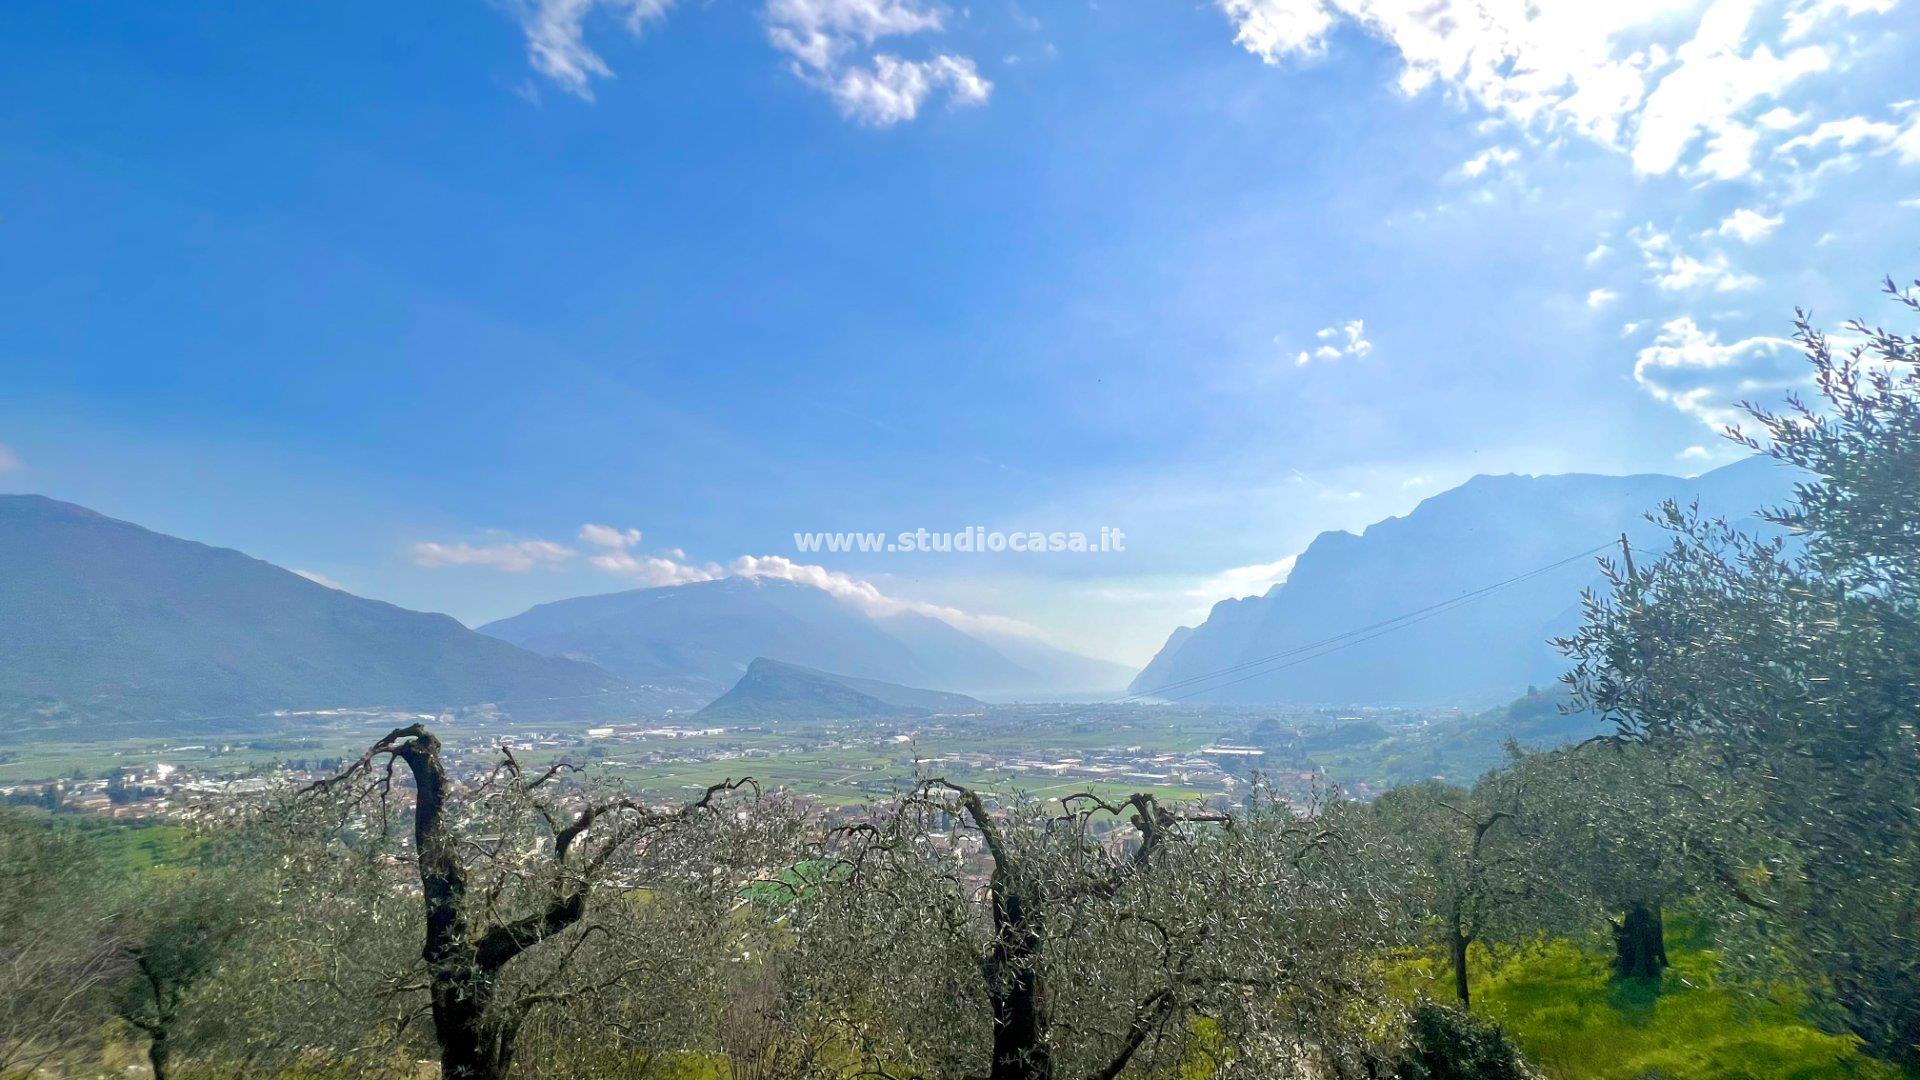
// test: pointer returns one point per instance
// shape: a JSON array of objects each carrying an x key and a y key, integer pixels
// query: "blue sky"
[{"x": 405, "y": 296}]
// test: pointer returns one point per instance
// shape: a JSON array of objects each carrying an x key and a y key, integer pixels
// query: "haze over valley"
[{"x": 921, "y": 540}]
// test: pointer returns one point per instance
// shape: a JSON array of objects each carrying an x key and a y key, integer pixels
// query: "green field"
[
  {"x": 1574, "y": 1022},
  {"x": 836, "y": 763}
]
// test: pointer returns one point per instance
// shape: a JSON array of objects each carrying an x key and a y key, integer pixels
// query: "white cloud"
[
  {"x": 654, "y": 570},
  {"x": 1712, "y": 82},
  {"x": 830, "y": 44},
  {"x": 512, "y": 556},
  {"x": 1241, "y": 581},
  {"x": 1780, "y": 118},
  {"x": 817, "y": 33},
  {"x": 867, "y": 596},
  {"x": 1676, "y": 270},
  {"x": 1600, "y": 251},
  {"x": 1675, "y": 84},
  {"x": 1345, "y": 340},
  {"x": 1600, "y": 298},
  {"x": 1804, "y": 18},
  {"x": 9, "y": 461},
  {"x": 1275, "y": 29},
  {"x": 1694, "y": 371},
  {"x": 319, "y": 578},
  {"x": 1749, "y": 226},
  {"x": 616, "y": 556},
  {"x": 892, "y": 90},
  {"x": 1494, "y": 157},
  {"x": 670, "y": 567},
  {"x": 1902, "y": 139},
  {"x": 556, "y": 36},
  {"x": 607, "y": 536}
]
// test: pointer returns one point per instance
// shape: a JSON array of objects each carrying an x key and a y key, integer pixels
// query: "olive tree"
[
  {"x": 172, "y": 933},
  {"x": 531, "y": 894},
  {"x": 1472, "y": 874},
  {"x": 57, "y": 965},
  {"x": 1625, "y": 830},
  {"x": 950, "y": 936},
  {"x": 1793, "y": 665}
]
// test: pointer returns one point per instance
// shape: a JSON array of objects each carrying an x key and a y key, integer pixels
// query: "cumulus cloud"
[
  {"x": 1600, "y": 298},
  {"x": 511, "y": 556},
  {"x": 830, "y": 45},
  {"x": 1749, "y": 226},
  {"x": 1345, "y": 340},
  {"x": 1674, "y": 269},
  {"x": 9, "y": 461},
  {"x": 1677, "y": 90},
  {"x": 1691, "y": 369}
]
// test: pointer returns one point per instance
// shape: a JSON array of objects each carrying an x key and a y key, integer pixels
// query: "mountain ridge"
[
  {"x": 708, "y": 633},
  {"x": 106, "y": 621},
  {"x": 773, "y": 690},
  {"x": 1481, "y": 532}
]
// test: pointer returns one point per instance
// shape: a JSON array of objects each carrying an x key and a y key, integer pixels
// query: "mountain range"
[
  {"x": 706, "y": 634},
  {"x": 103, "y": 622},
  {"x": 108, "y": 627},
  {"x": 1260, "y": 649}
]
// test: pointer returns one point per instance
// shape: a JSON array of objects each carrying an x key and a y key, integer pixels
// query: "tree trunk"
[
  {"x": 464, "y": 962},
  {"x": 1639, "y": 940},
  {"x": 1457, "y": 953},
  {"x": 1019, "y": 1007},
  {"x": 158, "y": 1052},
  {"x": 472, "y": 1045},
  {"x": 471, "y": 1048}
]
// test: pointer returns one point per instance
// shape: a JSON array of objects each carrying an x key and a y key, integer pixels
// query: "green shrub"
[{"x": 1451, "y": 1044}]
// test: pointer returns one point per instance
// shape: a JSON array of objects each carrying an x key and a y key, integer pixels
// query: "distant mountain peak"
[
  {"x": 774, "y": 691},
  {"x": 705, "y": 634}
]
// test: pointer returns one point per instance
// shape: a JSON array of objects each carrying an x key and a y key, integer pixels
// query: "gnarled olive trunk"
[
  {"x": 463, "y": 965},
  {"x": 158, "y": 1052},
  {"x": 1639, "y": 942},
  {"x": 1013, "y": 985}
]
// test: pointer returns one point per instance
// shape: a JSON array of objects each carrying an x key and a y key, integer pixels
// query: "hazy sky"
[{"x": 405, "y": 295}]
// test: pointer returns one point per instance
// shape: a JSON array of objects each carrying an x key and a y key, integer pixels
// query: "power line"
[{"x": 1313, "y": 650}]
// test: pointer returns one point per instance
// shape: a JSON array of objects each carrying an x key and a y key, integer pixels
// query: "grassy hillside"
[{"x": 1575, "y": 1023}]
